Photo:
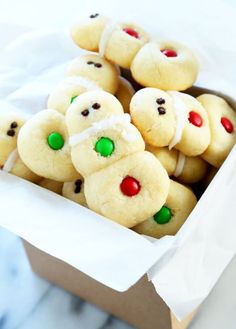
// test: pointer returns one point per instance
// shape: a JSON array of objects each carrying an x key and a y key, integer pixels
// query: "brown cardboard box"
[{"x": 140, "y": 306}]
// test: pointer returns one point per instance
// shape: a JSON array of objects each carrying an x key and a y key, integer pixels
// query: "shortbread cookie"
[
  {"x": 67, "y": 91},
  {"x": 125, "y": 93},
  {"x": 222, "y": 120},
  {"x": 89, "y": 108},
  {"x": 185, "y": 169},
  {"x": 130, "y": 190},
  {"x": 171, "y": 119},
  {"x": 165, "y": 65},
  {"x": 51, "y": 185},
  {"x": 168, "y": 220},
  {"x": 43, "y": 146},
  {"x": 75, "y": 191},
  {"x": 10, "y": 124},
  {"x": 96, "y": 69}
]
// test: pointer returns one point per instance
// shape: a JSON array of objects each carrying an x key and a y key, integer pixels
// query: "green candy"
[
  {"x": 73, "y": 98},
  {"x": 104, "y": 146},
  {"x": 163, "y": 216},
  {"x": 55, "y": 141}
]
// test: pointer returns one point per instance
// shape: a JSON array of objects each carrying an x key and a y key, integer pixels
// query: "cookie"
[
  {"x": 169, "y": 219},
  {"x": 10, "y": 125},
  {"x": 171, "y": 119},
  {"x": 125, "y": 93},
  {"x": 96, "y": 69},
  {"x": 51, "y": 185},
  {"x": 222, "y": 120},
  {"x": 130, "y": 190},
  {"x": 165, "y": 65},
  {"x": 67, "y": 91},
  {"x": 74, "y": 191},
  {"x": 185, "y": 169},
  {"x": 44, "y": 148}
]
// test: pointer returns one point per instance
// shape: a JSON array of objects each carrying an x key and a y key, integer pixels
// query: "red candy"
[
  {"x": 130, "y": 186},
  {"x": 227, "y": 124},
  {"x": 169, "y": 52},
  {"x": 131, "y": 32},
  {"x": 195, "y": 119}
]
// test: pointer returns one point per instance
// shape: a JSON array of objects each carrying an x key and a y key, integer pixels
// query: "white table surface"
[{"x": 29, "y": 302}]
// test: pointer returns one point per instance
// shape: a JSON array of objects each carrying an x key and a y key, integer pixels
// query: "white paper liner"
[
  {"x": 9, "y": 164},
  {"x": 180, "y": 165}
]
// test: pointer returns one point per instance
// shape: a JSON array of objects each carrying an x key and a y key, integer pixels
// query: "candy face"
[
  {"x": 227, "y": 124},
  {"x": 163, "y": 216},
  {"x": 195, "y": 119},
  {"x": 130, "y": 186},
  {"x": 55, "y": 141},
  {"x": 169, "y": 52},
  {"x": 131, "y": 32},
  {"x": 105, "y": 146}
]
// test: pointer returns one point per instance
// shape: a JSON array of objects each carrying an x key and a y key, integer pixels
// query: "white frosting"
[
  {"x": 9, "y": 164},
  {"x": 180, "y": 164},
  {"x": 84, "y": 82},
  {"x": 118, "y": 122},
  {"x": 110, "y": 27},
  {"x": 181, "y": 113}
]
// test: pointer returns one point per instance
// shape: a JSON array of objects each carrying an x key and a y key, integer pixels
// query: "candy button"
[
  {"x": 169, "y": 52},
  {"x": 130, "y": 186},
  {"x": 55, "y": 141},
  {"x": 195, "y": 119},
  {"x": 105, "y": 146},
  {"x": 163, "y": 216},
  {"x": 73, "y": 98},
  {"x": 131, "y": 32},
  {"x": 227, "y": 124}
]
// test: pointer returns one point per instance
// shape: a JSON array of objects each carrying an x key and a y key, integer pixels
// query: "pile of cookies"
[{"x": 133, "y": 155}]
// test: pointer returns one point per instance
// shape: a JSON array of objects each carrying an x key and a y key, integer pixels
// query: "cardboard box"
[{"x": 139, "y": 306}]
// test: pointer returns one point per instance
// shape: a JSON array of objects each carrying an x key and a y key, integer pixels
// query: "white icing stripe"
[
  {"x": 181, "y": 117},
  {"x": 110, "y": 27},
  {"x": 180, "y": 165},
  {"x": 84, "y": 82},
  {"x": 112, "y": 122},
  {"x": 9, "y": 164}
]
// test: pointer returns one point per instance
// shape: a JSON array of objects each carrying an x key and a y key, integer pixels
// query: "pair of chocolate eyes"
[
  {"x": 161, "y": 110},
  {"x": 11, "y": 132},
  {"x": 98, "y": 65},
  {"x": 95, "y": 106},
  {"x": 78, "y": 185},
  {"x": 94, "y": 15}
]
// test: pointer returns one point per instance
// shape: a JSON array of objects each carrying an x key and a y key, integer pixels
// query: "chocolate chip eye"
[
  {"x": 85, "y": 113},
  {"x": 78, "y": 185},
  {"x": 90, "y": 62},
  {"x": 96, "y": 106},
  {"x": 160, "y": 101},
  {"x": 93, "y": 15},
  {"x": 11, "y": 132},
  {"x": 161, "y": 110},
  {"x": 14, "y": 125},
  {"x": 98, "y": 65}
]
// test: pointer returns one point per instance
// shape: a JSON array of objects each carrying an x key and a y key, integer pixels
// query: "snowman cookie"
[
  {"x": 51, "y": 185},
  {"x": 185, "y": 169},
  {"x": 44, "y": 147},
  {"x": 125, "y": 93},
  {"x": 74, "y": 191},
  {"x": 169, "y": 219},
  {"x": 97, "y": 70},
  {"x": 118, "y": 42},
  {"x": 222, "y": 120},
  {"x": 171, "y": 119},
  {"x": 10, "y": 125},
  {"x": 165, "y": 65},
  {"x": 130, "y": 190}
]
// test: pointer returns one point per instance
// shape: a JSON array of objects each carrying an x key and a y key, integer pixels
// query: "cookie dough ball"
[
  {"x": 51, "y": 185},
  {"x": 222, "y": 120},
  {"x": 185, "y": 169},
  {"x": 165, "y": 65},
  {"x": 43, "y": 146},
  {"x": 125, "y": 93},
  {"x": 138, "y": 185},
  {"x": 89, "y": 108},
  {"x": 67, "y": 91},
  {"x": 97, "y": 69},
  {"x": 103, "y": 147},
  {"x": 75, "y": 191},
  {"x": 169, "y": 219},
  {"x": 87, "y": 32}
]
